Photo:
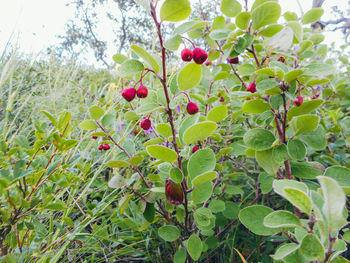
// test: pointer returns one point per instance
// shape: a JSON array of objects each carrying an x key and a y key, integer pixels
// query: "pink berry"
[
  {"x": 194, "y": 149},
  {"x": 106, "y": 147},
  {"x": 100, "y": 147},
  {"x": 298, "y": 101},
  {"x": 142, "y": 91},
  {"x": 199, "y": 55},
  {"x": 222, "y": 99},
  {"x": 94, "y": 137},
  {"x": 208, "y": 63},
  {"x": 186, "y": 54},
  {"x": 129, "y": 94},
  {"x": 146, "y": 124},
  {"x": 192, "y": 108},
  {"x": 251, "y": 87}
]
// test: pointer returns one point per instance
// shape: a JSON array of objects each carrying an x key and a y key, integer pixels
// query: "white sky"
[{"x": 35, "y": 24}]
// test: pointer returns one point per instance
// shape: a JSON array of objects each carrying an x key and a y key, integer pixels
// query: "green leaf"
[
  {"x": 281, "y": 218},
  {"x": 299, "y": 199},
  {"x": 292, "y": 75},
  {"x": 130, "y": 67},
  {"x": 230, "y": 8},
  {"x": 96, "y": 112},
  {"x": 304, "y": 123},
  {"x": 284, "y": 250},
  {"x": 252, "y": 217},
  {"x": 135, "y": 160},
  {"x": 150, "y": 61},
  {"x": 204, "y": 177},
  {"x": 217, "y": 114},
  {"x": 335, "y": 199},
  {"x": 164, "y": 129},
  {"x": 245, "y": 69},
  {"x": 202, "y": 216},
  {"x": 305, "y": 108},
  {"x": 189, "y": 25},
  {"x": 255, "y": 106},
  {"x": 199, "y": 132},
  {"x": 265, "y": 180},
  {"x": 180, "y": 255},
  {"x": 117, "y": 164},
  {"x": 217, "y": 206},
  {"x": 304, "y": 170},
  {"x": 169, "y": 233},
  {"x": 311, "y": 248},
  {"x": 119, "y": 58},
  {"x": 202, "y": 192},
  {"x": 149, "y": 212},
  {"x": 265, "y": 14},
  {"x": 297, "y": 31},
  {"x": 242, "y": 20},
  {"x": 117, "y": 181},
  {"x": 290, "y": 16},
  {"x": 271, "y": 30},
  {"x": 341, "y": 175},
  {"x": 88, "y": 125},
  {"x": 280, "y": 185},
  {"x": 185, "y": 124},
  {"x": 162, "y": 153},
  {"x": 267, "y": 162},
  {"x": 231, "y": 210},
  {"x": 51, "y": 118},
  {"x": 319, "y": 70},
  {"x": 194, "y": 246},
  {"x": 220, "y": 34},
  {"x": 312, "y": 16},
  {"x": 176, "y": 175},
  {"x": 201, "y": 161},
  {"x": 175, "y": 10},
  {"x": 316, "y": 139},
  {"x": 280, "y": 153},
  {"x": 189, "y": 76},
  {"x": 271, "y": 72},
  {"x": 173, "y": 43},
  {"x": 259, "y": 139},
  {"x": 281, "y": 40},
  {"x": 59, "y": 205},
  {"x": 296, "y": 149}
]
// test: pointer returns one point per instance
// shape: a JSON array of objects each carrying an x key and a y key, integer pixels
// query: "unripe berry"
[
  {"x": 251, "y": 87},
  {"x": 106, "y": 147},
  {"x": 129, "y": 94},
  {"x": 145, "y": 124},
  {"x": 208, "y": 63},
  {"x": 194, "y": 149},
  {"x": 192, "y": 108},
  {"x": 174, "y": 192},
  {"x": 135, "y": 132},
  {"x": 100, "y": 147},
  {"x": 199, "y": 55},
  {"x": 234, "y": 60},
  {"x": 186, "y": 54},
  {"x": 142, "y": 91},
  {"x": 94, "y": 137},
  {"x": 222, "y": 99},
  {"x": 298, "y": 101}
]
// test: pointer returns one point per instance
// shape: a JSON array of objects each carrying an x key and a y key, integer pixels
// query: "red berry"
[
  {"x": 146, "y": 124},
  {"x": 142, "y": 91},
  {"x": 129, "y": 94},
  {"x": 208, "y": 63},
  {"x": 281, "y": 59},
  {"x": 100, "y": 147},
  {"x": 251, "y": 87},
  {"x": 106, "y": 147},
  {"x": 199, "y": 55},
  {"x": 222, "y": 99},
  {"x": 186, "y": 54},
  {"x": 233, "y": 60},
  {"x": 194, "y": 149},
  {"x": 298, "y": 101},
  {"x": 192, "y": 108},
  {"x": 94, "y": 137},
  {"x": 135, "y": 131},
  {"x": 174, "y": 192}
]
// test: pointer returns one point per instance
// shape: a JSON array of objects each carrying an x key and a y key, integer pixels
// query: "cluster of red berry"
[
  {"x": 197, "y": 54},
  {"x": 130, "y": 93}
]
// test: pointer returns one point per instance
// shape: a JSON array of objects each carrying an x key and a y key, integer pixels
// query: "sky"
[{"x": 35, "y": 24}]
